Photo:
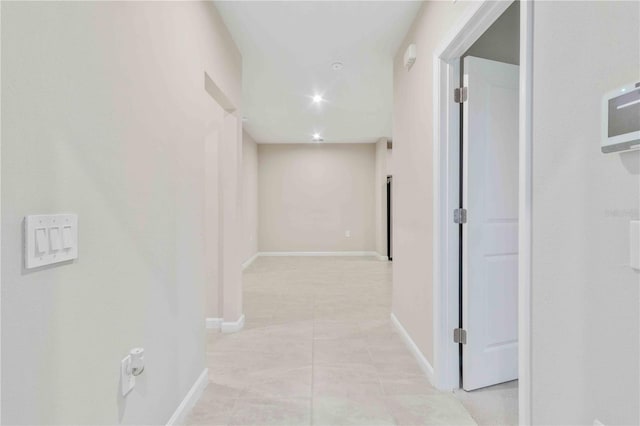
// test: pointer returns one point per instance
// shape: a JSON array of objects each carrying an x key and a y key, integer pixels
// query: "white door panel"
[{"x": 490, "y": 236}]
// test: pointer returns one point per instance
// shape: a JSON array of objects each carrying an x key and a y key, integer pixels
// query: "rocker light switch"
[
  {"x": 41, "y": 241},
  {"x": 67, "y": 241},
  {"x": 54, "y": 238},
  {"x": 50, "y": 239}
]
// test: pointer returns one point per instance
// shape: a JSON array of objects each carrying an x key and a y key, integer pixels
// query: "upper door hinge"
[
  {"x": 460, "y": 95},
  {"x": 460, "y": 335},
  {"x": 460, "y": 216}
]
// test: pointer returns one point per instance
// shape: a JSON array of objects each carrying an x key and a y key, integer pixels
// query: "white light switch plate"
[
  {"x": 634, "y": 244},
  {"x": 50, "y": 239}
]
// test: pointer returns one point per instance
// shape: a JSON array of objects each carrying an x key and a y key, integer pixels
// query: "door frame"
[
  {"x": 389, "y": 187},
  {"x": 446, "y": 176},
  {"x": 0, "y": 221}
]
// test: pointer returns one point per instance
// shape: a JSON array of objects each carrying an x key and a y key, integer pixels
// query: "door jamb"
[
  {"x": 0, "y": 222},
  {"x": 446, "y": 118},
  {"x": 389, "y": 187}
]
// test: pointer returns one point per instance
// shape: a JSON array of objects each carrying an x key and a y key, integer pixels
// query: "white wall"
[
  {"x": 249, "y": 195},
  {"x": 222, "y": 229},
  {"x": 310, "y": 194},
  {"x": 413, "y": 173},
  {"x": 586, "y": 300},
  {"x": 230, "y": 190},
  {"x": 104, "y": 114}
]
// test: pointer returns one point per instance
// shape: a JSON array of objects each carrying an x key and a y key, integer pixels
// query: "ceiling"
[{"x": 287, "y": 52}]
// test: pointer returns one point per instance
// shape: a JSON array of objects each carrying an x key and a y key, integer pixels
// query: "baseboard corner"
[
  {"x": 249, "y": 261},
  {"x": 213, "y": 323},
  {"x": 382, "y": 258},
  {"x": 232, "y": 326}
]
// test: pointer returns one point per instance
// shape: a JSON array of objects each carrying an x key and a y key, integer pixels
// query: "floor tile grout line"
[
  {"x": 313, "y": 343},
  {"x": 341, "y": 283},
  {"x": 383, "y": 394}
]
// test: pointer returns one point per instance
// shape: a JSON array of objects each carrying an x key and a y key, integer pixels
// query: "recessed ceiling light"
[
  {"x": 317, "y": 137},
  {"x": 337, "y": 66},
  {"x": 317, "y": 99}
]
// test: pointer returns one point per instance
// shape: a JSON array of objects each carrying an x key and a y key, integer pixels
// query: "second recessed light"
[{"x": 317, "y": 99}]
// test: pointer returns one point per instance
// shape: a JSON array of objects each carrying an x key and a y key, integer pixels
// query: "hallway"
[
  {"x": 171, "y": 167},
  {"x": 318, "y": 348}
]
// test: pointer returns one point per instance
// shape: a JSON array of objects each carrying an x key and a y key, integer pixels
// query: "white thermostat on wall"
[
  {"x": 621, "y": 119},
  {"x": 50, "y": 239}
]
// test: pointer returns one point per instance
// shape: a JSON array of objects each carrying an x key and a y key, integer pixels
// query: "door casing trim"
[{"x": 446, "y": 149}]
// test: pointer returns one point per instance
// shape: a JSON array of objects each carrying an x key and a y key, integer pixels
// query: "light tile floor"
[
  {"x": 318, "y": 348},
  {"x": 495, "y": 405}
]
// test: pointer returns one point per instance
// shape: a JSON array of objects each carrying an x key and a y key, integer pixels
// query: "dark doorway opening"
[{"x": 389, "y": 222}]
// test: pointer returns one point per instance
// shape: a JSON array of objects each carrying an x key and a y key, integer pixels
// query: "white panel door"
[{"x": 490, "y": 236}]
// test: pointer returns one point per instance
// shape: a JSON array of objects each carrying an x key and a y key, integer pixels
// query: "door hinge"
[
  {"x": 460, "y": 95},
  {"x": 460, "y": 216},
  {"x": 460, "y": 335}
]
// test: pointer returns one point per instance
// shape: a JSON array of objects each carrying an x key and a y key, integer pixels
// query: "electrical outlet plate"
[{"x": 127, "y": 379}]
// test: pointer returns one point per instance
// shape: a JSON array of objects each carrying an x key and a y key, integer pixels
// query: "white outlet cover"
[{"x": 127, "y": 379}]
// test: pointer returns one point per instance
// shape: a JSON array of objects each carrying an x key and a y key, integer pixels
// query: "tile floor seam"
[
  {"x": 359, "y": 373},
  {"x": 313, "y": 364},
  {"x": 382, "y": 392},
  {"x": 232, "y": 411}
]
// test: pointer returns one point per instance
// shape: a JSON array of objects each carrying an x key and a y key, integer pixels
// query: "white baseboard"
[
  {"x": 381, "y": 257},
  {"x": 249, "y": 261},
  {"x": 189, "y": 401},
  {"x": 413, "y": 348},
  {"x": 318, "y": 253},
  {"x": 232, "y": 326},
  {"x": 213, "y": 323}
]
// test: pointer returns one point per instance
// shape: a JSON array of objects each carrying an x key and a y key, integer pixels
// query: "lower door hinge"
[
  {"x": 460, "y": 335},
  {"x": 460, "y": 216},
  {"x": 460, "y": 95}
]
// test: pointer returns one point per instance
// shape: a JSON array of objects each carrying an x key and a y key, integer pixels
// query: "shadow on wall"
[{"x": 631, "y": 161}]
